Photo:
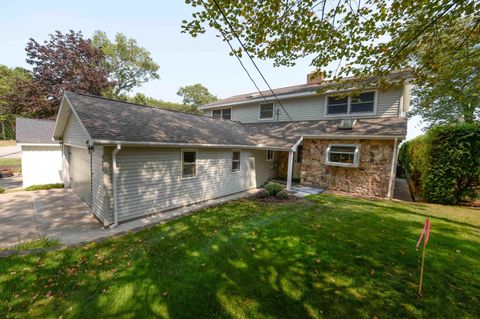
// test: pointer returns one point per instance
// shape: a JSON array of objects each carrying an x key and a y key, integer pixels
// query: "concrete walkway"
[
  {"x": 60, "y": 214},
  {"x": 402, "y": 192}
]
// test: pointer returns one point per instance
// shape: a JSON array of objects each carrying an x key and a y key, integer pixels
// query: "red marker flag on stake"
[{"x": 426, "y": 233}]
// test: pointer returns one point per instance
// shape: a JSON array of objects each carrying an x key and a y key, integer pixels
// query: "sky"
[{"x": 156, "y": 25}]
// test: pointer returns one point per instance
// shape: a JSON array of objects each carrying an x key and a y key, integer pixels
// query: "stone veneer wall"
[{"x": 370, "y": 178}]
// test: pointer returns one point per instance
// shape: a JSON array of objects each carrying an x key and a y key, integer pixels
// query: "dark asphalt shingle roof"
[
  {"x": 34, "y": 131},
  {"x": 112, "y": 120}
]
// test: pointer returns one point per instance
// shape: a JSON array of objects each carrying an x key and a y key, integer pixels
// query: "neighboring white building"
[{"x": 41, "y": 156}]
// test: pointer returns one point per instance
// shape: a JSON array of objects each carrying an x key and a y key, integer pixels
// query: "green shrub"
[
  {"x": 263, "y": 193},
  {"x": 273, "y": 188},
  {"x": 2, "y": 190},
  {"x": 283, "y": 194},
  {"x": 44, "y": 186},
  {"x": 444, "y": 164}
]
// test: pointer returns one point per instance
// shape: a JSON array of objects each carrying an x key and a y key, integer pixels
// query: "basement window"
[
  {"x": 225, "y": 114},
  {"x": 346, "y": 155},
  {"x": 189, "y": 163},
  {"x": 235, "y": 161}
]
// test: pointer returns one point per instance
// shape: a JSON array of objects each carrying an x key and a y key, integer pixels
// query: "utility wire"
[
  {"x": 251, "y": 59},
  {"x": 238, "y": 58}
]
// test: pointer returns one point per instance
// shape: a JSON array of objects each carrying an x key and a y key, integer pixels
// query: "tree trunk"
[{"x": 4, "y": 137}]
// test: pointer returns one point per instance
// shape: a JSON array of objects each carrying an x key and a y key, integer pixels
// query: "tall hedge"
[{"x": 444, "y": 164}]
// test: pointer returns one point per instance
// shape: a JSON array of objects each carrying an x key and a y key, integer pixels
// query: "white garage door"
[{"x": 80, "y": 173}]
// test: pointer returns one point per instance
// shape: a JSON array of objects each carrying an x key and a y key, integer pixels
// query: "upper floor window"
[
  {"x": 189, "y": 163},
  {"x": 343, "y": 155},
  {"x": 363, "y": 103},
  {"x": 266, "y": 111},
  {"x": 235, "y": 161},
  {"x": 225, "y": 114}
]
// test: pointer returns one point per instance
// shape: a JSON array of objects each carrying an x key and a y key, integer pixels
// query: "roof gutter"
[
  {"x": 166, "y": 144},
  {"x": 115, "y": 175},
  {"x": 355, "y": 137}
]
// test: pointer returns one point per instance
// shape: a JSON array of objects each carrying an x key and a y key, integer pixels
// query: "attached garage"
[{"x": 80, "y": 173}]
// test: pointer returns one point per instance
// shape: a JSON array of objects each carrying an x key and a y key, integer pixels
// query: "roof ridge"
[{"x": 149, "y": 106}]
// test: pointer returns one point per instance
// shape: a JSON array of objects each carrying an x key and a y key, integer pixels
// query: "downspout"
[
  {"x": 114, "y": 176},
  {"x": 393, "y": 170}
]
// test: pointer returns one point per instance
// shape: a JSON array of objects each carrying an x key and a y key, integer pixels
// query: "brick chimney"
[{"x": 314, "y": 77}]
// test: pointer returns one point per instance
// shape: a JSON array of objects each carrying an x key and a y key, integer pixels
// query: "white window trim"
[
  {"x": 273, "y": 155},
  {"x": 181, "y": 163},
  {"x": 239, "y": 161},
  {"x": 221, "y": 112},
  {"x": 349, "y": 107},
  {"x": 356, "y": 156},
  {"x": 260, "y": 112}
]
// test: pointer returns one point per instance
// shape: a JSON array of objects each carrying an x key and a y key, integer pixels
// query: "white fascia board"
[
  {"x": 38, "y": 144},
  {"x": 186, "y": 145},
  {"x": 78, "y": 118}
]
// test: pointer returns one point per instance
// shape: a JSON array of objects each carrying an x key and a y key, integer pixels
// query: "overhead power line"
[
  {"x": 250, "y": 57},
  {"x": 238, "y": 58}
]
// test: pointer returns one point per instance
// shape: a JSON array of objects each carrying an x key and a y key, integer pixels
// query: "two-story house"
[{"x": 127, "y": 161}]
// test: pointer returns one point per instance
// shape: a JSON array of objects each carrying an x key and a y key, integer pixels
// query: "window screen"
[
  {"x": 337, "y": 105},
  {"x": 266, "y": 110},
  {"x": 235, "y": 160},
  {"x": 362, "y": 103},
  {"x": 189, "y": 163}
]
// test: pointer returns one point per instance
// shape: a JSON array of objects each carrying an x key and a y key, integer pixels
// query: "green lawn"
[{"x": 326, "y": 257}]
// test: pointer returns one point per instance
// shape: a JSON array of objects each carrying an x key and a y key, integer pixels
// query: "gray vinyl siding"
[
  {"x": 74, "y": 133},
  {"x": 313, "y": 108},
  {"x": 98, "y": 189},
  {"x": 150, "y": 179}
]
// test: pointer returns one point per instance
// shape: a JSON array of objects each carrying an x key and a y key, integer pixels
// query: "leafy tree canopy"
[
  {"x": 450, "y": 90},
  {"x": 362, "y": 37},
  {"x": 8, "y": 79},
  {"x": 365, "y": 39},
  {"x": 67, "y": 62},
  {"x": 196, "y": 95},
  {"x": 128, "y": 64},
  {"x": 140, "y": 98}
]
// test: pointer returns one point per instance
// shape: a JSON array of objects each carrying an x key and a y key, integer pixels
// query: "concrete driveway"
[
  {"x": 13, "y": 151},
  {"x": 55, "y": 213},
  {"x": 61, "y": 214}
]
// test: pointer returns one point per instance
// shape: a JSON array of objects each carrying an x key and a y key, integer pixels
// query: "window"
[
  {"x": 337, "y": 105},
  {"x": 189, "y": 163},
  {"x": 269, "y": 155},
  {"x": 357, "y": 104},
  {"x": 299, "y": 153},
  {"x": 225, "y": 114},
  {"x": 266, "y": 111},
  {"x": 235, "y": 161},
  {"x": 343, "y": 155},
  {"x": 362, "y": 103}
]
